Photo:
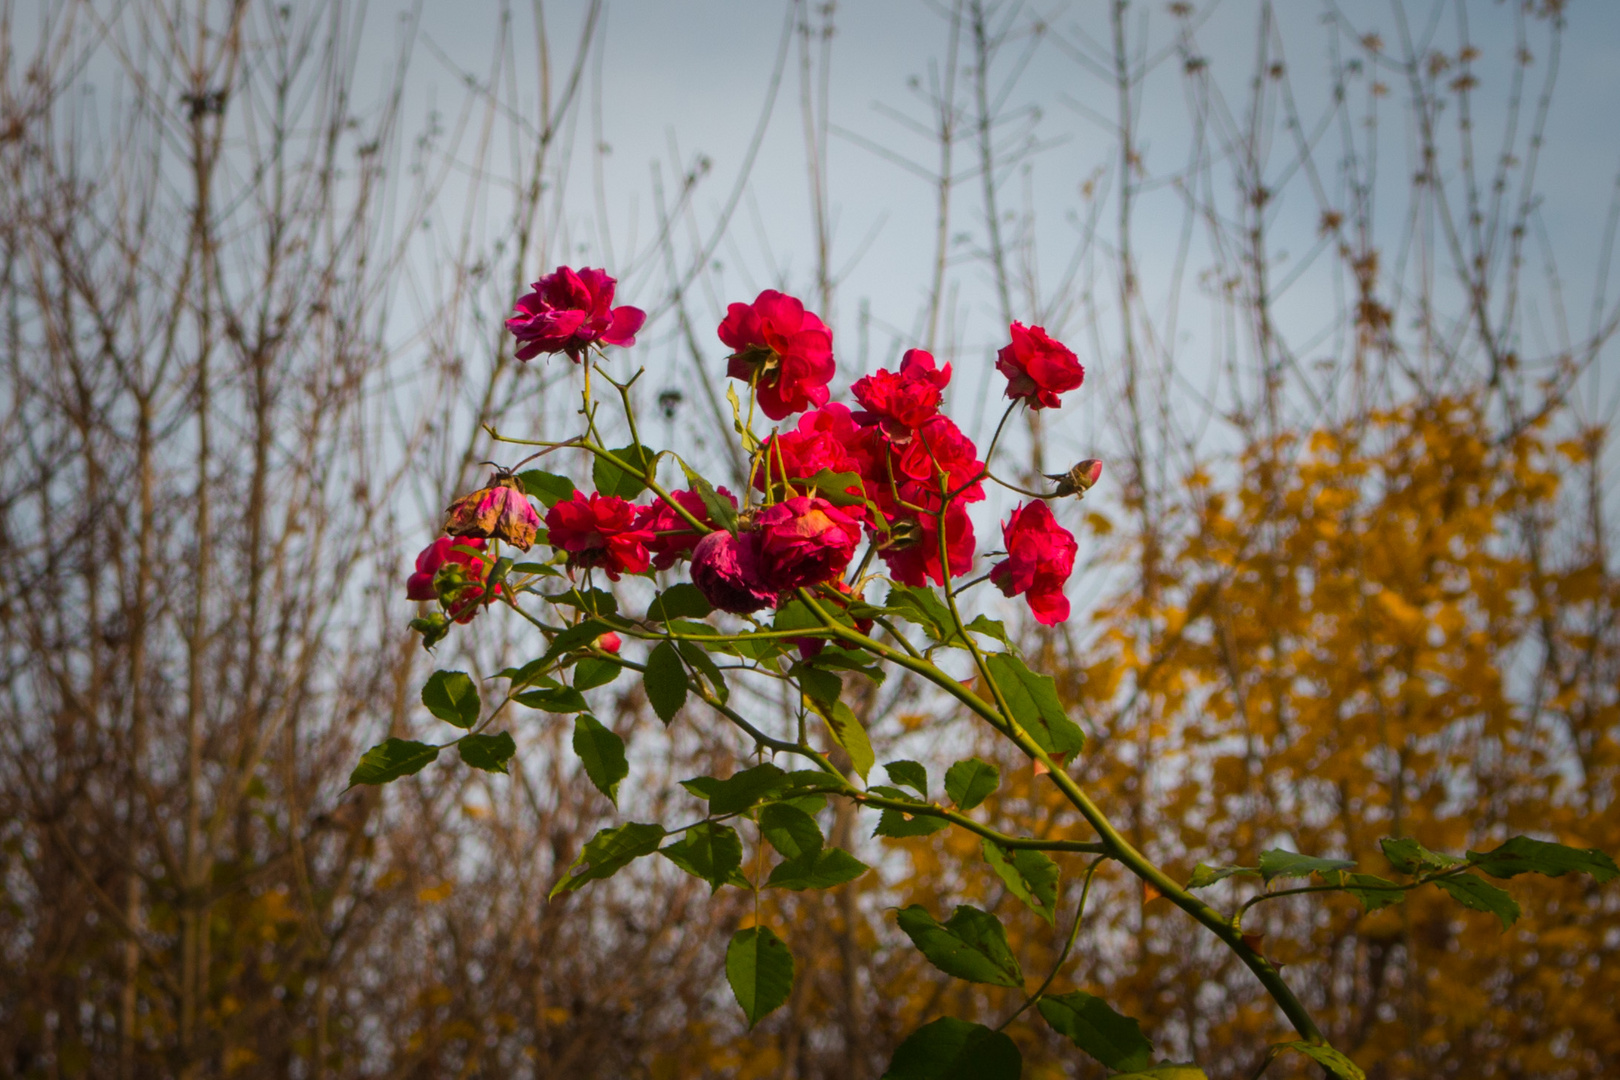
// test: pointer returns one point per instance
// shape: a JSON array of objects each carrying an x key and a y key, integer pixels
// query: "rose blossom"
[
  {"x": 803, "y": 541},
  {"x": 910, "y": 545},
  {"x": 1038, "y": 368},
  {"x": 673, "y": 536},
  {"x": 905, "y": 399},
  {"x": 824, "y": 439},
  {"x": 601, "y": 530},
  {"x": 725, "y": 568},
  {"x": 464, "y": 581},
  {"x": 570, "y": 310},
  {"x": 500, "y": 511},
  {"x": 784, "y": 349},
  {"x": 1040, "y": 557},
  {"x": 940, "y": 444}
]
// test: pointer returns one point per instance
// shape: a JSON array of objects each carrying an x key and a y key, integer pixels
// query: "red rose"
[
  {"x": 1038, "y": 368},
  {"x": 940, "y": 444},
  {"x": 910, "y": 544},
  {"x": 823, "y": 440},
  {"x": 461, "y": 586},
  {"x": 905, "y": 399},
  {"x": 673, "y": 536},
  {"x": 803, "y": 541},
  {"x": 569, "y": 311},
  {"x": 1040, "y": 557},
  {"x": 725, "y": 568},
  {"x": 500, "y": 512},
  {"x": 601, "y": 530},
  {"x": 784, "y": 349},
  {"x": 609, "y": 642}
]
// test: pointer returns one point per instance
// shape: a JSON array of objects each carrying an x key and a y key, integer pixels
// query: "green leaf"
[
  {"x": 760, "y": 971},
  {"x": 1088, "y": 1022},
  {"x": 575, "y": 637},
  {"x": 952, "y": 1049},
  {"x": 549, "y": 488},
  {"x": 1167, "y": 1071},
  {"x": 612, "y": 480},
  {"x": 1481, "y": 895},
  {"x": 722, "y": 511},
  {"x": 537, "y": 568},
  {"x": 790, "y": 830},
  {"x": 1330, "y": 1059},
  {"x": 699, "y": 658},
  {"x": 816, "y": 870},
  {"x": 1034, "y": 703},
  {"x": 487, "y": 752},
  {"x": 898, "y": 824},
  {"x": 680, "y": 601},
  {"x": 1028, "y": 875},
  {"x": 590, "y": 601},
  {"x": 924, "y": 607},
  {"x": 835, "y": 487},
  {"x": 594, "y": 671},
  {"x": 1410, "y": 857},
  {"x": 1522, "y": 855},
  {"x": 558, "y": 699},
  {"x": 391, "y": 760},
  {"x": 970, "y": 782},
  {"x": 711, "y": 851},
  {"x": 909, "y": 773},
  {"x": 1373, "y": 891},
  {"x": 608, "y": 852},
  {"x": 602, "y": 753},
  {"x": 453, "y": 697},
  {"x": 992, "y": 628},
  {"x": 665, "y": 680},
  {"x": 1204, "y": 876},
  {"x": 1291, "y": 864},
  {"x": 970, "y": 945},
  {"x": 847, "y": 732},
  {"x": 742, "y": 790}
]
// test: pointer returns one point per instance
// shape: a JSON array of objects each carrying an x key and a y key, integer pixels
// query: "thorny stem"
[{"x": 1074, "y": 934}]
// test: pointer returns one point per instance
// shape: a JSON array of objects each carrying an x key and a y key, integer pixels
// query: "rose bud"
[
  {"x": 500, "y": 511},
  {"x": 1040, "y": 558},
  {"x": 725, "y": 568},
  {"x": 1078, "y": 480},
  {"x": 609, "y": 642},
  {"x": 1038, "y": 368}
]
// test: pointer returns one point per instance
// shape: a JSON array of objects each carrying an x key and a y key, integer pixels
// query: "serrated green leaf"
[
  {"x": 487, "y": 752},
  {"x": 1522, "y": 855},
  {"x": 1028, "y": 875},
  {"x": 1204, "y": 876},
  {"x": 1373, "y": 891},
  {"x": 910, "y": 773},
  {"x": 594, "y": 671},
  {"x": 1291, "y": 864},
  {"x": 608, "y": 852},
  {"x": 711, "y": 851},
  {"x": 1481, "y": 895},
  {"x": 1034, "y": 703},
  {"x": 952, "y": 1049},
  {"x": 549, "y": 488},
  {"x": 590, "y": 601},
  {"x": 699, "y": 659},
  {"x": 542, "y": 569},
  {"x": 816, "y": 870},
  {"x": 680, "y": 601},
  {"x": 665, "y": 681},
  {"x": 740, "y": 791},
  {"x": 847, "y": 732},
  {"x": 452, "y": 696},
  {"x": 836, "y": 487},
  {"x": 391, "y": 760},
  {"x": 1088, "y": 1022},
  {"x": 968, "y": 783},
  {"x": 759, "y": 968},
  {"x": 612, "y": 480},
  {"x": 970, "y": 945},
  {"x": 992, "y": 628},
  {"x": 1330, "y": 1059},
  {"x": 790, "y": 830},
  {"x": 898, "y": 824},
  {"x": 923, "y": 607},
  {"x": 557, "y": 699},
  {"x": 602, "y": 753},
  {"x": 576, "y": 637},
  {"x": 1410, "y": 857},
  {"x": 721, "y": 510}
]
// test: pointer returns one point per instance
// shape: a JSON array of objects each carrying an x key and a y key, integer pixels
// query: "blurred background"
[{"x": 1340, "y": 277}]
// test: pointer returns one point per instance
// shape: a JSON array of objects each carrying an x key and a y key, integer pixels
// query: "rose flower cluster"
[{"x": 896, "y": 472}]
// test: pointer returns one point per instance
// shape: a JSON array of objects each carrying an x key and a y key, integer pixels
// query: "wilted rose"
[
  {"x": 725, "y": 568},
  {"x": 1040, "y": 558},
  {"x": 500, "y": 511},
  {"x": 570, "y": 310}
]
